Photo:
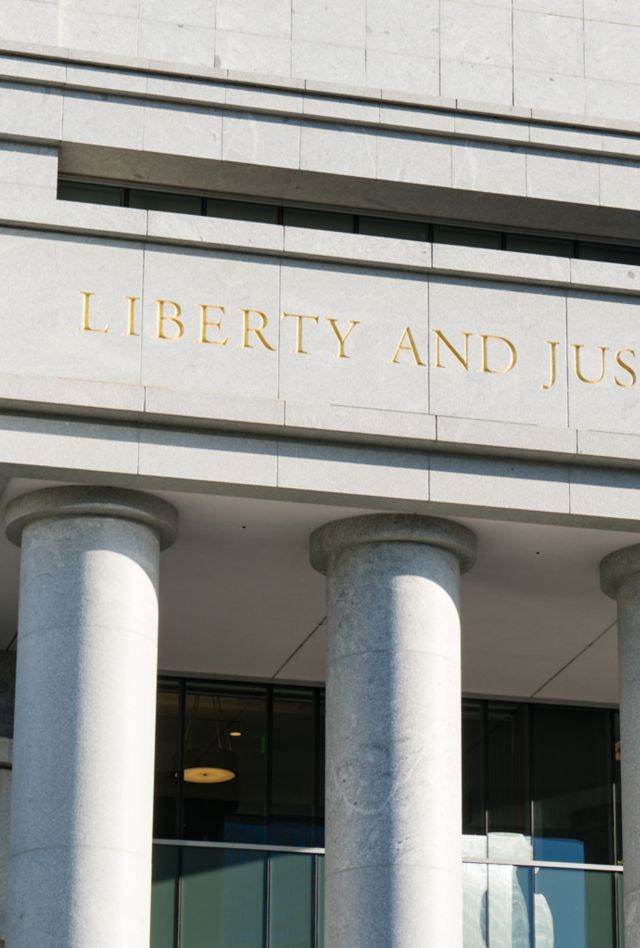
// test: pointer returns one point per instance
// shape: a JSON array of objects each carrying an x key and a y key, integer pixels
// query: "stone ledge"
[
  {"x": 130, "y": 405},
  {"x": 338, "y": 90},
  {"x": 435, "y": 481},
  {"x": 274, "y": 95},
  {"x": 389, "y": 253}
]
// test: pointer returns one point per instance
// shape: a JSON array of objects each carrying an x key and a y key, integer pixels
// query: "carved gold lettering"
[
  {"x": 498, "y": 354},
  {"x": 407, "y": 344},
  {"x": 462, "y": 359},
  {"x": 513, "y": 355},
  {"x": 299, "y": 324},
  {"x": 86, "y": 327},
  {"x": 578, "y": 369},
  {"x": 341, "y": 354},
  {"x": 247, "y": 330},
  {"x": 205, "y": 323},
  {"x": 131, "y": 320},
  {"x": 627, "y": 368},
  {"x": 174, "y": 318},
  {"x": 553, "y": 351}
]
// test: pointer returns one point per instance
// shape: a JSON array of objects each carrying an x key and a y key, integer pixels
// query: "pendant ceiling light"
[
  {"x": 216, "y": 763},
  {"x": 216, "y": 766}
]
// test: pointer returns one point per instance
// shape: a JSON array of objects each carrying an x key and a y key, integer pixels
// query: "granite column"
[
  {"x": 620, "y": 579},
  {"x": 82, "y": 795},
  {"x": 393, "y": 784}
]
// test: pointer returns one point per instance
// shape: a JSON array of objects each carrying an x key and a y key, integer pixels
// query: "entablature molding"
[
  {"x": 329, "y": 103},
  {"x": 352, "y": 473}
]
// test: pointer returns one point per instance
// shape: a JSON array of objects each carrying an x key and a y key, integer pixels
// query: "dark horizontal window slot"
[{"x": 338, "y": 221}]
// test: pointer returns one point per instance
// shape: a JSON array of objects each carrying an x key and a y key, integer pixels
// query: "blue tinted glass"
[
  {"x": 90, "y": 193},
  {"x": 610, "y": 253},
  {"x": 475, "y": 906},
  {"x": 165, "y": 201},
  {"x": 473, "y": 779},
  {"x": 521, "y": 243},
  {"x": 560, "y": 850},
  {"x": 320, "y": 899},
  {"x": 620, "y": 909},
  {"x": 292, "y": 767},
  {"x": 574, "y": 909},
  {"x": 467, "y": 237},
  {"x": 616, "y": 752},
  {"x": 319, "y": 783},
  {"x": 222, "y": 898},
  {"x": 163, "y": 897},
  {"x": 572, "y": 780},
  {"x": 389, "y": 227},
  {"x": 291, "y": 902},
  {"x": 510, "y": 907},
  {"x": 166, "y": 762},
  {"x": 233, "y": 810},
  {"x": 508, "y": 791}
]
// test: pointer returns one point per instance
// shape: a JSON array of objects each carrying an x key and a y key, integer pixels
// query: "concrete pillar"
[
  {"x": 620, "y": 579},
  {"x": 393, "y": 783},
  {"x": 82, "y": 795}
]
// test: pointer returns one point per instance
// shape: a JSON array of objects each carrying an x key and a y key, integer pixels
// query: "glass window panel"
[
  {"x": 242, "y": 211},
  {"x": 165, "y": 804},
  {"x": 473, "y": 804},
  {"x": 292, "y": 767},
  {"x": 475, "y": 906},
  {"x": 163, "y": 896},
  {"x": 226, "y": 729},
  {"x": 617, "y": 760},
  {"x": 508, "y": 793},
  {"x": 510, "y": 907},
  {"x": 467, "y": 237},
  {"x": 552, "y": 246},
  {"x": 222, "y": 898},
  {"x": 571, "y": 776},
  {"x": 319, "y": 220},
  {"x": 291, "y": 902},
  {"x": 320, "y": 763},
  {"x": 574, "y": 909},
  {"x": 620, "y": 908},
  {"x": 165, "y": 201},
  {"x": 388, "y": 227},
  {"x": 609, "y": 253},
  {"x": 320, "y": 899},
  {"x": 90, "y": 193}
]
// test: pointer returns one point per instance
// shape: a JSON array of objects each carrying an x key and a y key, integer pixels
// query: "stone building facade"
[{"x": 319, "y": 365}]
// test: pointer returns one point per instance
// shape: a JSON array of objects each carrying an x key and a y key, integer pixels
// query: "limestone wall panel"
[{"x": 116, "y": 327}]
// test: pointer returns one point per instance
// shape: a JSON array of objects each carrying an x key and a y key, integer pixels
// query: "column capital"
[
  {"x": 90, "y": 501},
  {"x": 329, "y": 539},
  {"x": 617, "y": 567}
]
